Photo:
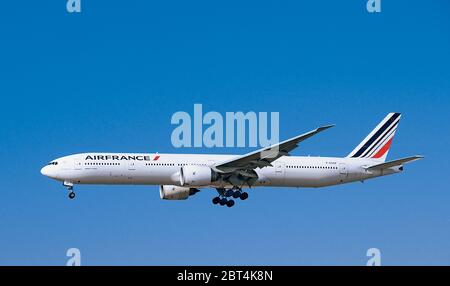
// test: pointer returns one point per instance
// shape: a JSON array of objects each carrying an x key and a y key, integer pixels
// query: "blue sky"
[{"x": 110, "y": 78}]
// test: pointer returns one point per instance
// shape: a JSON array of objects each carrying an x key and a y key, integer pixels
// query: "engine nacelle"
[
  {"x": 196, "y": 176},
  {"x": 167, "y": 192},
  {"x": 174, "y": 192}
]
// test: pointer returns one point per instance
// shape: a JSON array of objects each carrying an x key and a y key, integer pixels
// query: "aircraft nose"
[{"x": 45, "y": 171}]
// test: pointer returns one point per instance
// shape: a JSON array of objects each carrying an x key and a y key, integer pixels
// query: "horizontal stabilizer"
[{"x": 394, "y": 163}]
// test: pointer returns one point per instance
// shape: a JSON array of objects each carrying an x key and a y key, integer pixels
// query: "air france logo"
[
  {"x": 122, "y": 157},
  {"x": 119, "y": 157}
]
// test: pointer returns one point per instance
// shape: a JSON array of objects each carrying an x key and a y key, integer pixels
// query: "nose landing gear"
[
  {"x": 71, "y": 194},
  {"x": 69, "y": 187}
]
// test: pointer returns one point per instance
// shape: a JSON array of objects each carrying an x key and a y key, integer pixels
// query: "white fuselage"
[{"x": 164, "y": 169}]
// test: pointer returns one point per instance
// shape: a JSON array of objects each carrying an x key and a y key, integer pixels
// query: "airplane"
[{"x": 180, "y": 176}]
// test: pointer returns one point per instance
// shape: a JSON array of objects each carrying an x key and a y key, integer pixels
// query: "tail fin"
[{"x": 376, "y": 145}]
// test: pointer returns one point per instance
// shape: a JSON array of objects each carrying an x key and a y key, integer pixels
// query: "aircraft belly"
[{"x": 131, "y": 177}]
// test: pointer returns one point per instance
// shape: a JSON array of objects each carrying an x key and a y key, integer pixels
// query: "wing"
[
  {"x": 264, "y": 156},
  {"x": 394, "y": 163}
]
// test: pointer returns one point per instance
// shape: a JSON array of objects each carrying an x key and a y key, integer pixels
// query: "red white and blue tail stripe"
[{"x": 376, "y": 145}]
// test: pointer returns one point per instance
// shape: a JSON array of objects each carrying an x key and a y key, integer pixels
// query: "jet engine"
[
  {"x": 167, "y": 192},
  {"x": 196, "y": 176}
]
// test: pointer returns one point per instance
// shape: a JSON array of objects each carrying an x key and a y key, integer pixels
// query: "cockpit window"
[{"x": 53, "y": 163}]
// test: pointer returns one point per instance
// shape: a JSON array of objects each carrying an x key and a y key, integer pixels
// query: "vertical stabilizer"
[{"x": 376, "y": 145}]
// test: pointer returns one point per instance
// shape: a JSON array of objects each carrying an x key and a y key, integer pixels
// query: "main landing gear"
[
  {"x": 224, "y": 194},
  {"x": 69, "y": 187}
]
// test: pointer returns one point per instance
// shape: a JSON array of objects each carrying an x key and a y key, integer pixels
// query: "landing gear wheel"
[
  {"x": 244, "y": 196},
  {"x": 69, "y": 186},
  {"x": 236, "y": 194},
  {"x": 230, "y": 203},
  {"x": 223, "y": 201},
  {"x": 216, "y": 200}
]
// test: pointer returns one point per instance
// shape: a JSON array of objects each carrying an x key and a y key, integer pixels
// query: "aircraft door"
[
  {"x": 77, "y": 165},
  {"x": 131, "y": 166},
  {"x": 280, "y": 168},
  {"x": 131, "y": 170},
  {"x": 343, "y": 171}
]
